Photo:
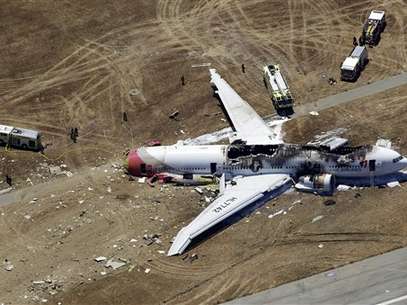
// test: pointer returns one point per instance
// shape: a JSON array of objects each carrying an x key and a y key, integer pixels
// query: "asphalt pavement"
[
  {"x": 379, "y": 280},
  {"x": 349, "y": 96}
]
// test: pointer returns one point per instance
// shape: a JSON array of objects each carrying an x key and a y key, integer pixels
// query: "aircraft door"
[
  {"x": 213, "y": 168},
  {"x": 372, "y": 165}
]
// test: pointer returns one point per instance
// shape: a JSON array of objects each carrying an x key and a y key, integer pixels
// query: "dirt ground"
[{"x": 82, "y": 64}]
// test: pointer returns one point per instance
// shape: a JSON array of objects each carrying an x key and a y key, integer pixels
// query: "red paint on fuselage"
[{"x": 135, "y": 163}]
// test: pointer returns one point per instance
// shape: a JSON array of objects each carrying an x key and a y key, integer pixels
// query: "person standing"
[{"x": 8, "y": 180}]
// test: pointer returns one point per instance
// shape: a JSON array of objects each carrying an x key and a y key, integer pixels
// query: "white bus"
[{"x": 20, "y": 137}]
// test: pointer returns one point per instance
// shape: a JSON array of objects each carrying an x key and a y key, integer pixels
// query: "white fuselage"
[{"x": 289, "y": 159}]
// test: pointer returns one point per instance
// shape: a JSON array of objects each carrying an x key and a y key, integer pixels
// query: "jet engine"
[{"x": 323, "y": 184}]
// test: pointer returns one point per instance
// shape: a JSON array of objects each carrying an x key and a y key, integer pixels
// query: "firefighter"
[
  {"x": 355, "y": 41},
  {"x": 243, "y": 68},
  {"x": 8, "y": 180},
  {"x": 72, "y": 135},
  {"x": 182, "y": 80},
  {"x": 125, "y": 116}
]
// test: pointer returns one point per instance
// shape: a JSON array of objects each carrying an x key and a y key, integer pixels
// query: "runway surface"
[
  {"x": 352, "y": 95},
  {"x": 379, "y": 280}
]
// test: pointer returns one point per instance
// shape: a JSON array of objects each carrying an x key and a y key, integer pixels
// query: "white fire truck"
[{"x": 277, "y": 87}]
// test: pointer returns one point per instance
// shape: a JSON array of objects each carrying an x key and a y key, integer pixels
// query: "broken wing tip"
[{"x": 181, "y": 242}]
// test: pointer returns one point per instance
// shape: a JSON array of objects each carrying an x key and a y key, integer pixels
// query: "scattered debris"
[
  {"x": 332, "y": 81},
  {"x": 147, "y": 270},
  {"x": 154, "y": 142},
  {"x": 151, "y": 239},
  {"x": 55, "y": 170},
  {"x": 174, "y": 115},
  {"x": 48, "y": 285},
  {"x": 277, "y": 213},
  {"x": 114, "y": 264},
  {"x": 8, "y": 266},
  {"x": 100, "y": 259},
  {"x": 142, "y": 180},
  {"x": 320, "y": 246},
  {"x": 315, "y": 219},
  {"x": 134, "y": 92},
  {"x": 193, "y": 257},
  {"x": 357, "y": 195},
  {"x": 393, "y": 184},
  {"x": 68, "y": 174},
  {"x": 314, "y": 113},
  {"x": 384, "y": 143},
  {"x": 331, "y": 274},
  {"x": 122, "y": 196},
  {"x": 329, "y": 202},
  {"x": 342, "y": 187},
  {"x": 208, "y": 64},
  {"x": 199, "y": 190}
]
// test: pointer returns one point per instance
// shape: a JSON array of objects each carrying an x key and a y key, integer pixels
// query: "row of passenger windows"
[
  {"x": 273, "y": 167},
  {"x": 193, "y": 168}
]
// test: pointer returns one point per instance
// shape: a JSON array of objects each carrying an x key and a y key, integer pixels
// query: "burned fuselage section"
[{"x": 296, "y": 160}]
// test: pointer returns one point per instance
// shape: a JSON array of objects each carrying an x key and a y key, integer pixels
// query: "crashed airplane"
[{"x": 256, "y": 166}]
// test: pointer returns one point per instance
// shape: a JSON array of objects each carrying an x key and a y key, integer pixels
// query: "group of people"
[
  {"x": 74, "y": 134},
  {"x": 359, "y": 42}
]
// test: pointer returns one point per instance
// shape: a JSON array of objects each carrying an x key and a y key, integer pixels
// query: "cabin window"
[{"x": 395, "y": 160}]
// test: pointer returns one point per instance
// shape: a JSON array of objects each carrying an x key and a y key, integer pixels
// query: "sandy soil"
[{"x": 72, "y": 64}]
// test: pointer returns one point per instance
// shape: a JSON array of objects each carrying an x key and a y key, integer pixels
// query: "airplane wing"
[
  {"x": 249, "y": 126},
  {"x": 234, "y": 197}
]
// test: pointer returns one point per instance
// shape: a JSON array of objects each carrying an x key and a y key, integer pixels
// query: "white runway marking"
[{"x": 392, "y": 301}]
